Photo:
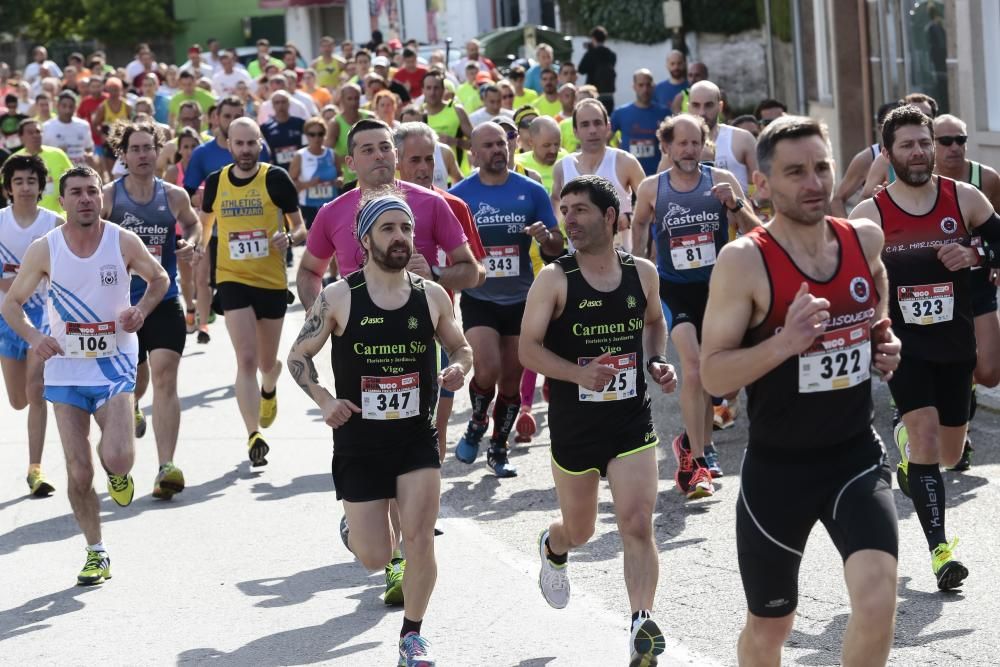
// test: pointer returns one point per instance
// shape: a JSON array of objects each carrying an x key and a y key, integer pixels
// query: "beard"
[
  {"x": 911, "y": 177},
  {"x": 387, "y": 260}
]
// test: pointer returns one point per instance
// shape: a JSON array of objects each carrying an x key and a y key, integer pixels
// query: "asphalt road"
[{"x": 247, "y": 568}]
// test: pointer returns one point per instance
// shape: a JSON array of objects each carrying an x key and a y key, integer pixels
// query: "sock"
[
  {"x": 410, "y": 626},
  {"x": 504, "y": 413},
  {"x": 528, "y": 381},
  {"x": 554, "y": 558},
  {"x": 32, "y": 467},
  {"x": 927, "y": 491},
  {"x": 397, "y": 554},
  {"x": 973, "y": 404},
  {"x": 685, "y": 443},
  {"x": 702, "y": 462},
  {"x": 98, "y": 546},
  {"x": 268, "y": 394},
  {"x": 640, "y": 616},
  {"x": 718, "y": 400},
  {"x": 480, "y": 400}
]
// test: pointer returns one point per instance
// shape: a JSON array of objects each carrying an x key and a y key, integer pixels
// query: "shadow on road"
[
  {"x": 318, "y": 483},
  {"x": 303, "y": 586},
  {"x": 202, "y": 398},
  {"x": 308, "y": 645},
  {"x": 31, "y": 615},
  {"x": 63, "y": 527}
]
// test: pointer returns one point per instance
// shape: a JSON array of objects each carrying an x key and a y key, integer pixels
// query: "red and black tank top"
[
  {"x": 930, "y": 306},
  {"x": 821, "y": 397}
]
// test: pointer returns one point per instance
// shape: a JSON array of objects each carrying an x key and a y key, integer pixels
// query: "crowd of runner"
[{"x": 573, "y": 239}]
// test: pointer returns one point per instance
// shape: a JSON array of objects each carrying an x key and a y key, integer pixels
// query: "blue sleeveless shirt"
[
  {"x": 155, "y": 225},
  {"x": 689, "y": 229}
]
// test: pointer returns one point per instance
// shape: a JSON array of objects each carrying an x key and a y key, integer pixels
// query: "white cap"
[{"x": 380, "y": 61}]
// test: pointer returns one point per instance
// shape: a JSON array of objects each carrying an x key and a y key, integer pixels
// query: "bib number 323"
[
  {"x": 926, "y": 304},
  {"x": 394, "y": 397}
]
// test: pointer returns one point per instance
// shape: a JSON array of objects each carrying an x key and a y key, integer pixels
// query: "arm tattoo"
[
  {"x": 298, "y": 370},
  {"x": 314, "y": 323}
]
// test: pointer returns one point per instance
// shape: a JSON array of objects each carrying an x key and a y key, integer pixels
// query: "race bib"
[
  {"x": 396, "y": 397},
  {"x": 251, "y": 244},
  {"x": 926, "y": 304},
  {"x": 642, "y": 149},
  {"x": 284, "y": 155},
  {"x": 621, "y": 386},
  {"x": 502, "y": 261},
  {"x": 10, "y": 270},
  {"x": 693, "y": 251},
  {"x": 838, "y": 359},
  {"x": 157, "y": 252},
  {"x": 90, "y": 340},
  {"x": 321, "y": 191}
]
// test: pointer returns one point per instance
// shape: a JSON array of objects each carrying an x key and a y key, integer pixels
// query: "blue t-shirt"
[
  {"x": 665, "y": 92},
  {"x": 283, "y": 139},
  {"x": 501, "y": 212},
  {"x": 638, "y": 126},
  {"x": 211, "y": 157},
  {"x": 161, "y": 108},
  {"x": 533, "y": 78}
]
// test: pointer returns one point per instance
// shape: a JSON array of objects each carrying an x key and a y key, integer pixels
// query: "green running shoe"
[
  {"x": 96, "y": 570},
  {"x": 38, "y": 485},
  {"x": 902, "y": 439},
  {"x": 394, "y": 581},
  {"x": 169, "y": 480},
  {"x": 950, "y": 573},
  {"x": 121, "y": 489},
  {"x": 140, "y": 422}
]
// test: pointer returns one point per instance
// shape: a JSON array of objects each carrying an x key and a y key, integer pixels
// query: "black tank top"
[
  {"x": 385, "y": 363},
  {"x": 822, "y": 397},
  {"x": 930, "y": 306},
  {"x": 591, "y": 323}
]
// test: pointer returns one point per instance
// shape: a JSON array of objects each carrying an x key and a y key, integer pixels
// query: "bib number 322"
[{"x": 837, "y": 360}]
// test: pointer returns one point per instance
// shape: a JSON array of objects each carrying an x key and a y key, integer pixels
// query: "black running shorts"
[
  {"x": 165, "y": 328},
  {"x": 480, "y": 313},
  {"x": 267, "y": 304},
  {"x": 686, "y": 302},
  {"x": 363, "y": 478},
  {"x": 984, "y": 293},
  {"x": 783, "y": 493},
  {"x": 580, "y": 457},
  {"x": 928, "y": 384}
]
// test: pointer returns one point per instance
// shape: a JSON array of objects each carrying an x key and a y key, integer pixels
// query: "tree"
[{"x": 109, "y": 21}]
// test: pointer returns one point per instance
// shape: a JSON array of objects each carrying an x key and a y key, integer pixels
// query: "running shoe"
[
  {"x": 722, "y": 418},
  {"x": 496, "y": 458},
  {"x": 685, "y": 464},
  {"x": 467, "y": 448},
  {"x": 414, "y": 651},
  {"x": 700, "y": 485},
  {"x": 38, "y": 485},
  {"x": 712, "y": 459},
  {"x": 525, "y": 426},
  {"x": 169, "y": 480},
  {"x": 344, "y": 532},
  {"x": 268, "y": 409},
  {"x": 121, "y": 489},
  {"x": 553, "y": 580},
  {"x": 965, "y": 462},
  {"x": 203, "y": 336},
  {"x": 211, "y": 316},
  {"x": 140, "y": 422},
  {"x": 394, "y": 581},
  {"x": 950, "y": 573},
  {"x": 646, "y": 642},
  {"x": 189, "y": 320},
  {"x": 258, "y": 450},
  {"x": 902, "y": 439},
  {"x": 96, "y": 570}
]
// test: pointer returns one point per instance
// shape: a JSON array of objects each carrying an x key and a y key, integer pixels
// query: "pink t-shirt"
[{"x": 435, "y": 226}]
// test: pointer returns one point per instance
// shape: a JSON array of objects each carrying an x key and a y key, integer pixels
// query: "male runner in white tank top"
[
  {"x": 735, "y": 148},
  {"x": 21, "y": 223},
  {"x": 90, "y": 358},
  {"x": 591, "y": 128}
]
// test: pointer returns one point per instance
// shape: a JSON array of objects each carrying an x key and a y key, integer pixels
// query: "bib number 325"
[{"x": 620, "y": 387}]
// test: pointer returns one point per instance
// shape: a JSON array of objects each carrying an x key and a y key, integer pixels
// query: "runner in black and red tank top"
[
  {"x": 796, "y": 313},
  {"x": 928, "y": 221}
]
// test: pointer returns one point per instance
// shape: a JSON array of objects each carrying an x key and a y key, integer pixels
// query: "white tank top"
[
  {"x": 607, "y": 169},
  {"x": 724, "y": 158},
  {"x": 86, "y": 297},
  {"x": 14, "y": 242},
  {"x": 440, "y": 177}
]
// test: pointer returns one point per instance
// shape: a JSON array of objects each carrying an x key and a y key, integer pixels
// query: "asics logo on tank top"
[
  {"x": 490, "y": 215},
  {"x": 365, "y": 321},
  {"x": 109, "y": 275},
  {"x": 677, "y": 215}
]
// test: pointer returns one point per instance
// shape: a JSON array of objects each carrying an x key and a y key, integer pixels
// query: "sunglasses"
[
  {"x": 315, "y": 134},
  {"x": 959, "y": 139}
]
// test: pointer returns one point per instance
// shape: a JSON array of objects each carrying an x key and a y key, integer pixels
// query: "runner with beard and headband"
[
  {"x": 796, "y": 314},
  {"x": 384, "y": 440},
  {"x": 950, "y": 137},
  {"x": 690, "y": 210},
  {"x": 251, "y": 202},
  {"x": 928, "y": 222}
]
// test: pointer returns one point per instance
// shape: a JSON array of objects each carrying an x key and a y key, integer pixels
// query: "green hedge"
[{"x": 641, "y": 21}]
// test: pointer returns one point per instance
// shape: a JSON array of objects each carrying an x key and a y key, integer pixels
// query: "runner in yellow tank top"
[{"x": 449, "y": 120}]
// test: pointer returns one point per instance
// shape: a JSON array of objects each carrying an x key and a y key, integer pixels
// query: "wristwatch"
[{"x": 739, "y": 206}]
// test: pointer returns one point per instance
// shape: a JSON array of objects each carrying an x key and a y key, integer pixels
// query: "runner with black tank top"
[
  {"x": 151, "y": 208},
  {"x": 928, "y": 221},
  {"x": 383, "y": 321},
  {"x": 950, "y": 137},
  {"x": 691, "y": 209},
  {"x": 796, "y": 314},
  {"x": 591, "y": 325}
]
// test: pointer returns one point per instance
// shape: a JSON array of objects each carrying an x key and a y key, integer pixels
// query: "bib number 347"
[{"x": 393, "y": 397}]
